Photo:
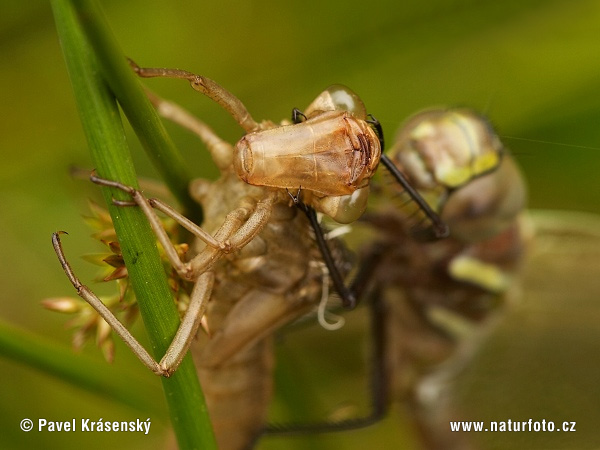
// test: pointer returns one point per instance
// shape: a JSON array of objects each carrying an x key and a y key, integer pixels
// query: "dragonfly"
[
  {"x": 433, "y": 301},
  {"x": 255, "y": 265},
  {"x": 436, "y": 299},
  {"x": 490, "y": 329}
]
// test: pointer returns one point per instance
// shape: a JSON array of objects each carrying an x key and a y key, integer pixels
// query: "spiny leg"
[
  {"x": 207, "y": 87},
  {"x": 185, "y": 333},
  {"x": 146, "y": 184},
  {"x": 348, "y": 298},
  {"x": 347, "y": 295},
  {"x": 256, "y": 217},
  {"x": 239, "y": 227}
]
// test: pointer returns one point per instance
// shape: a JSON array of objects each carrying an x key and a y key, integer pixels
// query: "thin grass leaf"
[
  {"x": 103, "y": 128},
  {"x": 140, "y": 113},
  {"x": 83, "y": 372}
]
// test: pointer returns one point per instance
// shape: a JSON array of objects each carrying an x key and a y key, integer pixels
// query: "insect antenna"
[{"x": 347, "y": 296}]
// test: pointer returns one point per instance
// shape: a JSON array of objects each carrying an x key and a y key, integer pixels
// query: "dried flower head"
[{"x": 87, "y": 323}]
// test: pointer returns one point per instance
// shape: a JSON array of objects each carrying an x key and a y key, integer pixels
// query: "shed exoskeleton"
[{"x": 254, "y": 257}]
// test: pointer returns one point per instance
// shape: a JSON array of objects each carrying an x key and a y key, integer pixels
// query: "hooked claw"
[{"x": 296, "y": 199}]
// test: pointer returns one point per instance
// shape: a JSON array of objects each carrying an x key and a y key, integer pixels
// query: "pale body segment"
[
  {"x": 438, "y": 296},
  {"x": 255, "y": 265},
  {"x": 333, "y": 153}
]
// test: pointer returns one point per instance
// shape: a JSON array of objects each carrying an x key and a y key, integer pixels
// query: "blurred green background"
[{"x": 532, "y": 66}]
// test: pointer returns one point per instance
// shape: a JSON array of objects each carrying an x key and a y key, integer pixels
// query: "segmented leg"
[
  {"x": 207, "y": 87},
  {"x": 239, "y": 227},
  {"x": 378, "y": 384},
  {"x": 185, "y": 333},
  {"x": 440, "y": 229},
  {"x": 346, "y": 294},
  {"x": 220, "y": 150}
]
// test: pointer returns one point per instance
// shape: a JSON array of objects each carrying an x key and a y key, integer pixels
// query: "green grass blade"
[
  {"x": 140, "y": 113},
  {"x": 102, "y": 125},
  {"x": 93, "y": 376}
]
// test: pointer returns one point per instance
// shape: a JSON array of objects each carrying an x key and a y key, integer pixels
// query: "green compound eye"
[{"x": 447, "y": 147}]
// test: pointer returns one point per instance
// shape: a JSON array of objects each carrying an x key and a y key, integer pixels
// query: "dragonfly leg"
[
  {"x": 185, "y": 333},
  {"x": 378, "y": 384},
  {"x": 189, "y": 324},
  {"x": 220, "y": 150},
  {"x": 347, "y": 296},
  {"x": 206, "y": 86},
  {"x": 182, "y": 268},
  {"x": 440, "y": 228},
  {"x": 240, "y": 227}
]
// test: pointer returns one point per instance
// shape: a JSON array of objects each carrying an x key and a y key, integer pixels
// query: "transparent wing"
[{"x": 542, "y": 362}]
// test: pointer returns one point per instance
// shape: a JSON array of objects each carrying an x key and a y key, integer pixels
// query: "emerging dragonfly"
[
  {"x": 437, "y": 301},
  {"x": 247, "y": 259},
  {"x": 432, "y": 301},
  {"x": 435, "y": 298}
]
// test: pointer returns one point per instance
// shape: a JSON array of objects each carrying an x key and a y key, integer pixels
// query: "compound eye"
[
  {"x": 338, "y": 98},
  {"x": 447, "y": 147}
]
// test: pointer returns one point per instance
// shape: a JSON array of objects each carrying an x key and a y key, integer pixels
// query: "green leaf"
[
  {"x": 84, "y": 372},
  {"x": 140, "y": 113},
  {"x": 104, "y": 131}
]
